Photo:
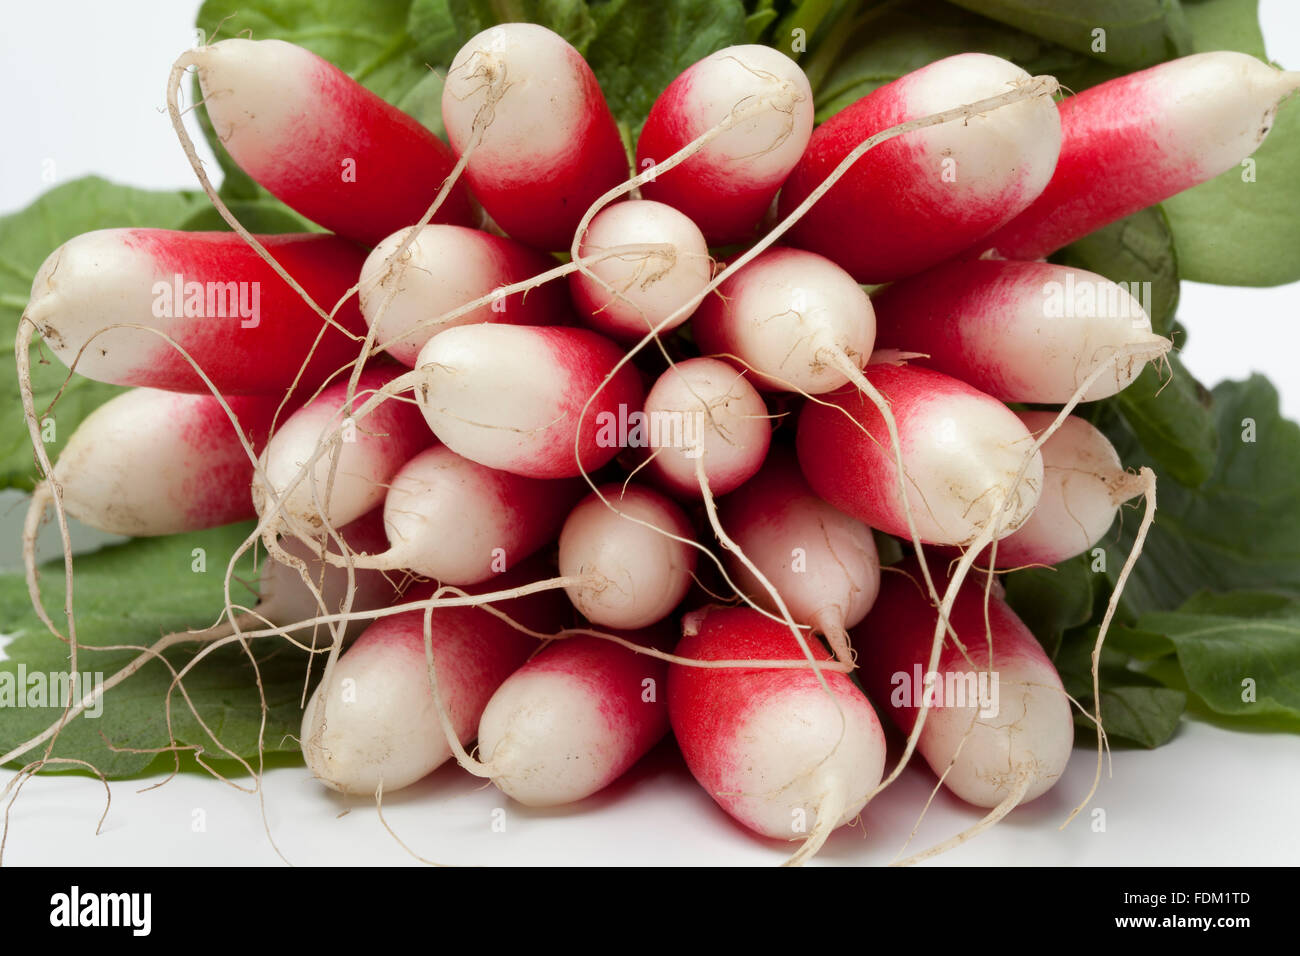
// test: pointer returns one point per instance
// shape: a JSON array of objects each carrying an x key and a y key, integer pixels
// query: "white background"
[{"x": 83, "y": 87}]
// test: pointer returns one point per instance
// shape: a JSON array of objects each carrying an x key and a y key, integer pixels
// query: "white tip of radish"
[
  {"x": 703, "y": 408},
  {"x": 650, "y": 285},
  {"x": 639, "y": 573}
]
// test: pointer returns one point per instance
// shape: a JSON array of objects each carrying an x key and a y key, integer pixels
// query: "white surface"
[{"x": 85, "y": 89}]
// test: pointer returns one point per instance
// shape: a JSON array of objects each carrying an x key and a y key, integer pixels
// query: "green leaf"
[
  {"x": 757, "y": 20},
  {"x": 1169, "y": 413},
  {"x": 131, "y": 594},
  {"x": 1240, "y": 530},
  {"x": 640, "y": 48},
  {"x": 1225, "y": 25},
  {"x": 1051, "y": 601},
  {"x": 267, "y": 215},
  {"x": 442, "y": 27},
  {"x": 1137, "y": 249},
  {"x": 1239, "y": 652},
  {"x": 27, "y": 237},
  {"x": 1138, "y": 33},
  {"x": 424, "y": 102}
]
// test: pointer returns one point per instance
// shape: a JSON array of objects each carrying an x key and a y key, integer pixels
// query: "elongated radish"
[
  {"x": 540, "y": 144},
  {"x": 446, "y": 267},
  {"x": 790, "y": 316},
  {"x": 705, "y": 409},
  {"x": 822, "y": 562},
  {"x": 729, "y": 184},
  {"x": 634, "y": 574},
  {"x": 1083, "y": 486},
  {"x": 151, "y": 462},
  {"x": 341, "y": 485},
  {"x": 375, "y": 721},
  {"x": 1136, "y": 140},
  {"x": 513, "y": 397},
  {"x": 647, "y": 287},
  {"x": 998, "y": 733},
  {"x": 1020, "y": 331},
  {"x": 962, "y": 453},
  {"x": 459, "y": 522},
  {"x": 209, "y": 292},
  {"x": 574, "y": 718},
  {"x": 919, "y": 198},
  {"x": 770, "y": 745},
  {"x": 322, "y": 142}
]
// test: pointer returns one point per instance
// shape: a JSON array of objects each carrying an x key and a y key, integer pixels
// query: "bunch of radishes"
[{"x": 445, "y": 429}]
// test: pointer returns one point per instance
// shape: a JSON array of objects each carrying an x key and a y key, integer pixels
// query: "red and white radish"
[
  {"x": 210, "y": 293},
  {"x": 772, "y": 746},
  {"x": 1084, "y": 485},
  {"x": 1020, "y": 331},
  {"x": 633, "y": 570},
  {"x": 792, "y": 317},
  {"x": 703, "y": 413},
  {"x": 442, "y": 269},
  {"x": 921, "y": 197},
  {"x": 151, "y": 462},
  {"x": 520, "y": 399},
  {"x": 309, "y": 490},
  {"x": 963, "y": 457},
  {"x": 322, "y": 142},
  {"x": 998, "y": 729},
  {"x": 374, "y": 720},
  {"x": 540, "y": 144},
  {"x": 460, "y": 522},
  {"x": 1136, "y": 140},
  {"x": 822, "y": 562},
  {"x": 727, "y": 186},
  {"x": 648, "y": 287},
  {"x": 574, "y": 718}
]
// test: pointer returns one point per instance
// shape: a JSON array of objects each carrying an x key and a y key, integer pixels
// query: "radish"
[
  {"x": 622, "y": 553},
  {"x": 792, "y": 317},
  {"x": 373, "y": 719},
  {"x": 322, "y": 142},
  {"x": 459, "y": 522},
  {"x": 442, "y": 269},
  {"x": 963, "y": 456},
  {"x": 788, "y": 755},
  {"x": 998, "y": 730},
  {"x": 626, "y": 296},
  {"x": 520, "y": 399},
  {"x": 1139, "y": 139},
  {"x": 211, "y": 294},
  {"x": 574, "y": 718},
  {"x": 151, "y": 462},
  {"x": 1020, "y": 331},
  {"x": 822, "y": 562},
  {"x": 704, "y": 413},
  {"x": 526, "y": 114},
  {"x": 1083, "y": 486},
  {"x": 727, "y": 187},
  {"x": 307, "y": 491},
  {"x": 928, "y": 194}
]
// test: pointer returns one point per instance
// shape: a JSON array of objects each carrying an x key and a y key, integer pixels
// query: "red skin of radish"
[
  {"x": 605, "y": 677},
  {"x": 1120, "y": 152},
  {"x": 399, "y": 164},
  {"x": 855, "y": 471},
  {"x": 711, "y": 710},
  {"x": 892, "y": 214},
  {"x": 542, "y": 210},
  {"x": 107, "y": 277},
  {"x": 896, "y": 638}
]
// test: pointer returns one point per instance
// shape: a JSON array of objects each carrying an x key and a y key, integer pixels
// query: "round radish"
[
  {"x": 650, "y": 285},
  {"x": 636, "y": 573}
]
